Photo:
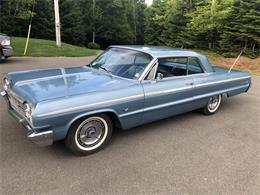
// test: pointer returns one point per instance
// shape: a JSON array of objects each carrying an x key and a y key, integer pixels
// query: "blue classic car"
[{"x": 124, "y": 87}]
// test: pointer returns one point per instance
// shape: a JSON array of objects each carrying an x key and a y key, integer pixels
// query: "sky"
[{"x": 149, "y": 2}]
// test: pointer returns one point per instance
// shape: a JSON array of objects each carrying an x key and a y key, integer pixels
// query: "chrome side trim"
[
  {"x": 93, "y": 105},
  {"x": 181, "y": 101},
  {"x": 196, "y": 85},
  {"x": 190, "y": 87},
  {"x": 125, "y": 99},
  {"x": 168, "y": 91},
  {"x": 221, "y": 81}
]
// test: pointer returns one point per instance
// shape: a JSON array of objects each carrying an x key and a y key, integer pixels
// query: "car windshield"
[{"x": 122, "y": 62}]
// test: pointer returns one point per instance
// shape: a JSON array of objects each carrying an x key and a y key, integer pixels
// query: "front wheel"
[
  {"x": 212, "y": 105},
  {"x": 89, "y": 135}
]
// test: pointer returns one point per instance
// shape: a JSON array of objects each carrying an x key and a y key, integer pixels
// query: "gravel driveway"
[{"x": 186, "y": 154}]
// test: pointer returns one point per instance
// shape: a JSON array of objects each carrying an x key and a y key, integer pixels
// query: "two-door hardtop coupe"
[{"x": 125, "y": 86}]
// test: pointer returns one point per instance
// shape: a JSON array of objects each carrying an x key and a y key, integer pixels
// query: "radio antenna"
[{"x": 236, "y": 61}]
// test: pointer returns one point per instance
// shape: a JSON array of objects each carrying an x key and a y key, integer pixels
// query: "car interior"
[{"x": 178, "y": 66}]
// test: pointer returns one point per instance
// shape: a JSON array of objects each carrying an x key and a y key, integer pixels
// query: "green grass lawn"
[{"x": 46, "y": 48}]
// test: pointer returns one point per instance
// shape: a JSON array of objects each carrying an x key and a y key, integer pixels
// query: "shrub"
[{"x": 92, "y": 45}]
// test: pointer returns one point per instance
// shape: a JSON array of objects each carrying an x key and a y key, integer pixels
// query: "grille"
[{"x": 17, "y": 105}]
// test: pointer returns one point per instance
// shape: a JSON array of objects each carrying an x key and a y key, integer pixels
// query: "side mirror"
[{"x": 159, "y": 76}]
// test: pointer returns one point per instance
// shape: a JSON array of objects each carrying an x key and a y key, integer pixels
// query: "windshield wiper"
[{"x": 103, "y": 68}]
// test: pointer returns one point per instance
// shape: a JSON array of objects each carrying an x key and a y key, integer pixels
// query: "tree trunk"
[
  {"x": 93, "y": 38},
  {"x": 253, "y": 49},
  {"x": 190, "y": 4},
  {"x": 245, "y": 44}
]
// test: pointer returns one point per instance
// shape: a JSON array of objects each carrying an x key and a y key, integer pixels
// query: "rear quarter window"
[{"x": 194, "y": 66}]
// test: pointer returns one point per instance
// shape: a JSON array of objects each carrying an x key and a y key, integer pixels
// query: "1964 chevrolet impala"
[{"x": 124, "y": 87}]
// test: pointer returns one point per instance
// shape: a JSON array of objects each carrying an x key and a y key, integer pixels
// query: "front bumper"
[
  {"x": 7, "y": 51},
  {"x": 40, "y": 138}
]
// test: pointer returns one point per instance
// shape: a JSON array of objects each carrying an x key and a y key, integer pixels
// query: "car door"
[
  {"x": 171, "y": 92},
  {"x": 204, "y": 81}
]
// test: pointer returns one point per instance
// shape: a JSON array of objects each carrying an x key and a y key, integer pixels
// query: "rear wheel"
[
  {"x": 212, "y": 105},
  {"x": 89, "y": 135}
]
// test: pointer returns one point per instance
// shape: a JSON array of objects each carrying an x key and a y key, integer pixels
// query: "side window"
[
  {"x": 171, "y": 67},
  {"x": 194, "y": 66}
]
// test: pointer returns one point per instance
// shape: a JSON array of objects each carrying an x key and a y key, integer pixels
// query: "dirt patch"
[{"x": 244, "y": 63}]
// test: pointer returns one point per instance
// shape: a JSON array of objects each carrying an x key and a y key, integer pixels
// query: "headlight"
[
  {"x": 5, "y": 42},
  {"x": 6, "y": 84},
  {"x": 28, "y": 111}
]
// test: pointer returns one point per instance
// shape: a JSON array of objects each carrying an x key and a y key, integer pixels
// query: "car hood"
[{"x": 40, "y": 85}]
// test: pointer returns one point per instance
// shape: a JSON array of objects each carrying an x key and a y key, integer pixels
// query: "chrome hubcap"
[
  {"x": 213, "y": 103},
  {"x": 91, "y": 132}
]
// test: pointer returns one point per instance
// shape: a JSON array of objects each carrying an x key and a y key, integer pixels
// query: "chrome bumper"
[{"x": 40, "y": 138}]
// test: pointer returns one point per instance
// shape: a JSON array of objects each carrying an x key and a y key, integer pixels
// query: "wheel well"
[{"x": 114, "y": 119}]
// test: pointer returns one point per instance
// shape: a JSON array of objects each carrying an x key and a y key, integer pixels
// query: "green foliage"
[
  {"x": 226, "y": 26},
  {"x": 92, "y": 45},
  {"x": 43, "y": 20},
  {"x": 242, "y": 29},
  {"x": 14, "y": 16},
  {"x": 154, "y": 23},
  {"x": 72, "y": 28}
]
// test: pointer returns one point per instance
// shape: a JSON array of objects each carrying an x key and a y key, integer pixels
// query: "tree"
[
  {"x": 14, "y": 16},
  {"x": 207, "y": 21},
  {"x": 154, "y": 23},
  {"x": 242, "y": 29},
  {"x": 175, "y": 22},
  {"x": 226, "y": 26},
  {"x": 43, "y": 20},
  {"x": 115, "y": 28},
  {"x": 72, "y": 27}
]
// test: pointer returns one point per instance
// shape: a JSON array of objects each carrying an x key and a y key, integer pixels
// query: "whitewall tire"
[
  {"x": 212, "y": 105},
  {"x": 89, "y": 135}
]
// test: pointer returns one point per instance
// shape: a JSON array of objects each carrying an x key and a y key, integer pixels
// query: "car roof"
[
  {"x": 162, "y": 52},
  {"x": 159, "y": 51}
]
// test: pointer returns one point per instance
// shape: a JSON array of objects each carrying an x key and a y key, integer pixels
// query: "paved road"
[{"x": 187, "y": 154}]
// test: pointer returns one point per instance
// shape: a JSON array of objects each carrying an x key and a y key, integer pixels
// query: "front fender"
[
  {"x": 89, "y": 113},
  {"x": 61, "y": 124}
]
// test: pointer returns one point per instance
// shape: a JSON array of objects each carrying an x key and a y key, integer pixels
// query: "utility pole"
[
  {"x": 134, "y": 16},
  {"x": 57, "y": 22},
  {"x": 94, "y": 21}
]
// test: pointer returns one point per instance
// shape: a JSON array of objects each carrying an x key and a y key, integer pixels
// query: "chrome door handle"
[{"x": 190, "y": 83}]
